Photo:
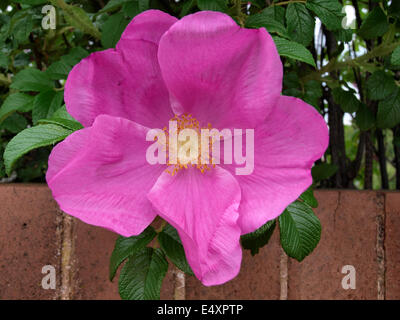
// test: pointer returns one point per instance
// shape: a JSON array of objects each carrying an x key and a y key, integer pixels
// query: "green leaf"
[
  {"x": 293, "y": 50},
  {"x": 308, "y": 197},
  {"x": 261, "y": 20},
  {"x": 22, "y": 28},
  {"x": 300, "y": 23},
  {"x": 60, "y": 69},
  {"x": 3, "y": 60},
  {"x": 259, "y": 238},
  {"x": 69, "y": 124},
  {"x": 112, "y": 30},
  {"x": 187, "y": 6},
  {"x": 32, "y": 138},
  {"x": 32, "y": 79},
  {"x": 375, "y": 25},
  {"x": 395, "y": 60},
  {"x": 323, "y": 171},
  {"x": 380, "y": 85},
  {"x": 213, "y": 5},
  {"x": 365, "y": 119},
  {"x": 45, "y": 104},
  {"x": 144, "y": 5},
  {"x": 346, "y": 100},
  {"x": 276, "y": 13},
  {"x": 300, "y": 230},
  {"x": 78, "y": 18},
  {"x": 329, "y": 12},
  {"x": 14, "y": 123},
  {"x": 15, "y": 102},
  {"x": 142, "y": 275},
  {"x": 389, "y": 111},
  {"x": 126, "y": 247},
  {"x": 63, "y": 114},
  {"x": 171, "y": 244},
  {"x": 113, "y": 4}
]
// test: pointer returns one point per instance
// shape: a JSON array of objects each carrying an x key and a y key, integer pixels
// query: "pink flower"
[{"x": 207, "y": 66}]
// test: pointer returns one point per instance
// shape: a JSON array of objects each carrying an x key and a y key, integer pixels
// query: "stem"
[
  {"x": 379, "y": 51},
  {"x": 163, "y": 224},
  {"x": 84, "y": 24},
  {"x": 239, "y": 14},
  {"x": 382, "y": 159},
  {"x": 4, "y": 80}
]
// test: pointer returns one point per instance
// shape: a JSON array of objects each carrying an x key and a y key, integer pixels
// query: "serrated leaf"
[
  {"x": 261, "y": 20},
  {"x": 300, "y": 230},
  {"x": 389, "y": 111},
  {"x": 395, "y": 59},
  {"x": 171, "y": 244},
  {"x": 213, "y": 5},
  {"x": 113, "y": 4},
  {"x": 15, "y": 102},
  {"x": 3, "y": 60},
  {"x": 63, "y": 114},
  {"x": 22, "y": 28},
  {"x": 187, "y": 6},
  {"x": 293, "y": 50},
  {"x": 380, "y": 85},
  {"x": 346, "y": 100},
  {"x": 142, "y": 275},
  {"x": 308, "y": 197},
  {"x": 14, "y": 123},
  {"x": 32, "y": 79},
  {"x": 328, "y": 11},
  {"x": 32, "y": 138},
  {"x": 60, "y": 69},
  {"x": 125, "y": 247},
  {"x": 375, "y": 25},
  {"x": 300, "y": 23},
  {"x": 276, "y": 13},
  {"x": 77, "y": 17},
  {"x": 143, "y": 5},
  {"x": 259, "y": 238},
  {"x": 45, "y": 104},
  {"x": 112, "y": 30}
]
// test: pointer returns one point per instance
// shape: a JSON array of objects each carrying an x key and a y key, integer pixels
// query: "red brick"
[
  {"x": 93, "y": 248},
  {"x": 28, "y": 241},
  {"x": 349, "y": 233},
  {"x": 392, "y": 245}
]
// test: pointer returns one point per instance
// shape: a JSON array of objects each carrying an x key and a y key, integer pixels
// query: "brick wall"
[{"x": 360, "y": 228}]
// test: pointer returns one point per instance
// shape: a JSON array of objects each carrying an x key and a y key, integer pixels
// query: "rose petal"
[
  {"x": 293, "y": 136},
  {"x": 100, "y": 175},
  {"x": 203, "y": 209},
  {"x": 219, "y": 72},
  {"x": 149, "y": 25},
  {"x": 124, "y": 82}
]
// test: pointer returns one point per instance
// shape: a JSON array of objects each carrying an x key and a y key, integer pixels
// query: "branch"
[
  {"x": 83, "y": 23},
  {"x": 379, "y": 51}
]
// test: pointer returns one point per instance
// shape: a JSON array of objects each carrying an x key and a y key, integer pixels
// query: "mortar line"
[
  {"x": 380, "y": 248},
  {"x": 179, "y": 284},
  {"x": 283, "y": 269},
  {"x": 67, "y": 249}
]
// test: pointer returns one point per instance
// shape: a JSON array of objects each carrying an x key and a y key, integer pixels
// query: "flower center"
[{"x": 185, "y": 146}]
